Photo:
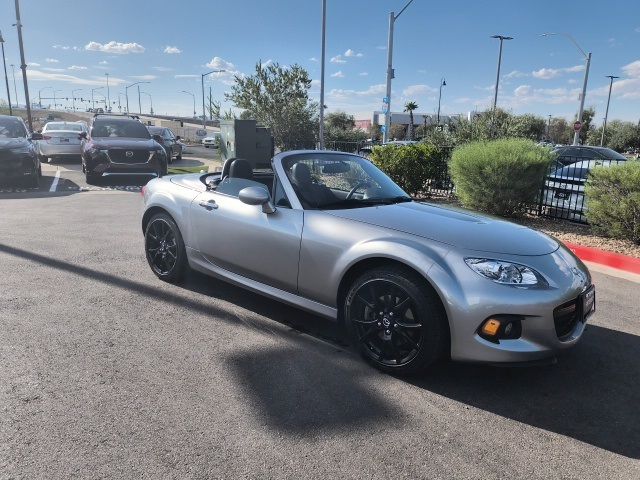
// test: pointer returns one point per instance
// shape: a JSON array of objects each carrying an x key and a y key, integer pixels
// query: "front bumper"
[
  {"x": 102, "y": 165},
  {"x": 18, "y": 166},
  {"x": 473, "y": 299}
]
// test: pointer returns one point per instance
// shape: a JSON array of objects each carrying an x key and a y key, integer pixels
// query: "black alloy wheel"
[
  {"x": 164, "y": 248},
  {"x": 395, "y": 320}
]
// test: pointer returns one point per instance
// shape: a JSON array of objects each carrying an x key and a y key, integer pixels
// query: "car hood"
[
  {"x": 14, "y": 144},
  {"x": 128, "y": 143},
  {"x": 459, "y": 228}
]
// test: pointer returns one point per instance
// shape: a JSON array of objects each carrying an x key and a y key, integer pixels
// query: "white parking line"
[{"x": 54, "y": 184}]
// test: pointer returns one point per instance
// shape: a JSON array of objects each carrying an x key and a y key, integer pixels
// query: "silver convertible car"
[{"x": 413, "y": 282}]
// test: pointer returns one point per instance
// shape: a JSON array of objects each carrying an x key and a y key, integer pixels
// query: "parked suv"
[
  {"x": 120, "y": 145},
  {"x": 170, "y": 142},
  {"x": 18, "y": 156}
]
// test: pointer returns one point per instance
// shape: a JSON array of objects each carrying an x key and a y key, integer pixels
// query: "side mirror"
[
  {"x": 157, "y": 138},
  {"x": 82, "y": 136},
  {"x": 36, "y": 136},
  {"x": 257, "y": 196}
]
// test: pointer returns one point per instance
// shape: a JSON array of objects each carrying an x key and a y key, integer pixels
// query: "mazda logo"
[{"x": 129, "y": 154}]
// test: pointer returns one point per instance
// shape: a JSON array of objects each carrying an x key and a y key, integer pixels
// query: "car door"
[
  {"x": 169, "y": 142},
  {"x": 243, "y": 239}
]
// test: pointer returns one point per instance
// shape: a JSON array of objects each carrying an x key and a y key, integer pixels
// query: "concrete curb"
[{"x": 608, "y": 259}]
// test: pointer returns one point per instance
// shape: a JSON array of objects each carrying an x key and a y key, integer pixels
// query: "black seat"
[
  {"x": 311, "y": 194},
  {"x": 240, "y": 168}
]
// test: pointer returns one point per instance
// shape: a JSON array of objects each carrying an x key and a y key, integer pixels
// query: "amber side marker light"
[{"x": 491, "y": 327}]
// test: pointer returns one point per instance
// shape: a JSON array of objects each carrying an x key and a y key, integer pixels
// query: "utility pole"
[
  {"x": 390, "y": 72},
  {"x": 210, "y": 106},
  {"x": 139, "y": 103},
  {"x": 549, "y": 128},
  {"x": 204, "y": 116},
  {"x": 108, "y": 95},
  {"x": 6, "y": 77},
  {"x": 495, "y": 95},
  {"x": 606, "y": 115},
  {"x": 443, "y": 83},
  {"x": 322, "y": 60},
  {"x": 93, "y": 103},
  {"x": 23, "y": 66},
  {"x": 194, "y": 101},
  {"x": 126, "y": 92}
]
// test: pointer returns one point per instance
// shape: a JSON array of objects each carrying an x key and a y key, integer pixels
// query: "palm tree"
[{"x": 410, "y": 107}]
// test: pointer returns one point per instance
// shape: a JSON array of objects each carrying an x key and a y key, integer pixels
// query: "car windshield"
[
  {"x": 335, "y": 181},
  {"x": 12, "y": 128},
  {"x": 612, "y": 154},
  {"x": 119, "y": 127},
  {"x": 155, "y": 130},
  {"x": 73, "y": 127}
]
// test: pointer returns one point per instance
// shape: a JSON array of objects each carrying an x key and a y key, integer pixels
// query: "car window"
[
  {"x": 119, "y": 128},
  {"x": 11, "y": 127},
  {"x": 232, "y": 186},
  {"x": 53, "y": 126},
  {"x": 339, "y": 181},
  {"x": 611, "y": 154}
]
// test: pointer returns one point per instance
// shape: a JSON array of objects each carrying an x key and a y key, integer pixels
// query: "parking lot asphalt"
[{"x": 107, "y": 372}]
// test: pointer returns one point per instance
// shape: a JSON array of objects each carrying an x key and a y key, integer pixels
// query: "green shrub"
[
  {"x": 411, "y": 166},
  {"x": 613, "y": 200},
  {"x": 501, "y": 177}
]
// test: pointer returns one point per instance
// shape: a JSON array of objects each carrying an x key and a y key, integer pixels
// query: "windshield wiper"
[
  {"x": 387, "y": 201},
  {"x": 367, "y": 202}
]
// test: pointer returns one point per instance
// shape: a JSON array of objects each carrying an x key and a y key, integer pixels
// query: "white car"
[
  {"x": 210, "y": 142},
  {"x": 61, "y": 140}
]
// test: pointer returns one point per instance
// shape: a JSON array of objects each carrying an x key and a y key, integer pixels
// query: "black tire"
[
  {"x": 167, "y": 260},
  {"x": 33, "y": 181},
  {"x": 91, "y": 178},
  {"x": 396, "y": 320}
]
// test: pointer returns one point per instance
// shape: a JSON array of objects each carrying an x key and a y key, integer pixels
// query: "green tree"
[
  {"x": 398, "y": 132},
  {"x": 410, "y": 107},
  {"x": 526, "y": 126},
  {"x": 587, "y": 120},
  {"x": 340, "y": 121},
  {"x": 619, "y": 135},
  {"x": 278, "y": 97},
  {"x": 340, "y": 127},
  {"x": 560, "y": 131}
]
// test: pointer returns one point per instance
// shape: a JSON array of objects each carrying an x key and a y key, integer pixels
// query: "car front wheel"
[
  {"x": 396, "y": 320},
  {"x": 164, "y": 248}
]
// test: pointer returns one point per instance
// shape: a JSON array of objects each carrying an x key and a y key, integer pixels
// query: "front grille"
[
  {"x": 120, "y": 156},
  {"x": 566, "y": 316}
]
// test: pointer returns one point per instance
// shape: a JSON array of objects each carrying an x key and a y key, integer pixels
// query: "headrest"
[
  {"x": 240, "y": 168},
  {"x": 301, "y": 174}
]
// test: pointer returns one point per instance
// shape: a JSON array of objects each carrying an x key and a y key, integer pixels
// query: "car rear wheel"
[
  {"x": 396, "y": 320},
  {"x": 164, "y": 249},
  {"x": 33, "y": 181},
  {"x": 91, "y": 178}
]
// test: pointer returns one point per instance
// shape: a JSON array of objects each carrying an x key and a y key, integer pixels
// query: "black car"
[
  {"x": 18, "y": 156},
  {"x": 120, "y": 145},
  {"x": 576, "y": 153},
  {"x": 165, "y": 137}
]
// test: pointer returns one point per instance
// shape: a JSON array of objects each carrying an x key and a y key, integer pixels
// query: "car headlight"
[{"x": 505, "y": 273}]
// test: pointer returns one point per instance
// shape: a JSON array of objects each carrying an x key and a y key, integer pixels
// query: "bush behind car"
[
  {"x": 613, "y": 194},
  {"x": 500, "y": 177}
]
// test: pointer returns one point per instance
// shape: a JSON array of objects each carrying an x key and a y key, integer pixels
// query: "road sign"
[
  {"x": 383, "y": 128},
  {"x": 385, "y": 99},
  {"x": 577, "y": 126}
]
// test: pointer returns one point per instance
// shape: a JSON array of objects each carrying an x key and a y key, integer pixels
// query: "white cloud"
[
  {"x": 522, "y": 91},
  {"x": 76, "y": 67},
  {"x": 338, "y": 74},
  {"x": 549, "y": 73},
  {"x": 421, "y": 89},
  {"x": 162, "y": 69},
  {"x": 39, "y": 75},
  {"x": 372, "y": 91},
  {"x": 65, "y": 47},
  {"x": 144, "y": 77},
  {"x": 51, "y": 69},
  {"x": 515, "y": 74},
  {"x": 338, "y": 59},
  {"x": 632, "y": 69},
  {"x": 363, "y": 74},
  {"x": 172, "y": 50},
  {"x": 313, "y": 59},
  {"x": 52, "y": 60},
  {"x": 33, "y": 64},
  {"x": 115, "y": 47},
  {"x": 351, "y": 53},
  {"x": 103, "y": 62},
  {"x": 186, "y": 76},
  {"x": 230, "y": 70}
]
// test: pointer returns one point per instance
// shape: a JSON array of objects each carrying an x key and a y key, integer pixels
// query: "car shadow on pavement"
[
  {"x": 18, "y": 191},
  {"x": 592, "y": 394}
]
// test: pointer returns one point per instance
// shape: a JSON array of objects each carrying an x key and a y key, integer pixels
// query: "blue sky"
[{"x": 72, "y": 44}]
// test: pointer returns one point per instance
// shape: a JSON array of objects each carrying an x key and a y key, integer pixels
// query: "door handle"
[{"x": 210, "y": 205}]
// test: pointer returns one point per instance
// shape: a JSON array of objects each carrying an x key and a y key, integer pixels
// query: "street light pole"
[
  {"x": 150, "y": 101},
  {"x": 6, "y": 77},
  {"x": 108, "y": 94},
  {"x": 93, "y": 103},
  {"x": 204, "y": 117},
  {"x": 15, "y": 89},
  {"x": 139, "y": 103},
  {"x": 73, "y": 97},
  {"x": 390, "y": 72},
  {"x": 119, "y": 104},
  {"x": 54, "y": 98},
  {"x": 587, "y": 56},
  {"x": 126, "y": 92},
  {"x": 194, "y": 101},
  {"x": 443, "y": 83},
  {"x": 322, "y": 60},
  {"x": 23, "y": 66},
  {"x": 606, "y": 115},
  {"x": 495, "y": 95}
]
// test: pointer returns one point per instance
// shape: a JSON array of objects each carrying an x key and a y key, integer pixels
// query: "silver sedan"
[
  {"x": 61, "y": 140},
  {"x": 413, "y": 282}
]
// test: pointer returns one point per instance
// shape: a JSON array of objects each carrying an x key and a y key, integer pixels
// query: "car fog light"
[
  {"x": 491, "y": 327},
  {"x": 501, "y": 327}
]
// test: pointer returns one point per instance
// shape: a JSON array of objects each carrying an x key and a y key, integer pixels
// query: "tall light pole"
[
  {"x": 150, "y": 101},
  {"x": 322, "y": 58},
  {"x": 194, "y": 101},
  {"x": 126, "y": 92},
  {"x": 93, "y": 103},
  {"x": 204, "y": 117},
  {"x": 606, "y": 115},
  {"x": 502, "y": 38},
  {"x": 119, "y": 104},
  {"x": 587, "y": 57},
  {"x": 40, "y": 95},
  {"x": 390, "y": 73},
  {"x": 73, "y": 97},
  {"x": 6, "y": 77},
  {"x": 23, "y": 66},
  {"x": 54, "y": 98},
  {"x": 108, "y": 94},
  {"x": 15, "y": 89},
  {"x": 443, "y": 83}
]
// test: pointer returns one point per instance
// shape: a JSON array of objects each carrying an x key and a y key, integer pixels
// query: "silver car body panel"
[{"x": 301, "y": 257}]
